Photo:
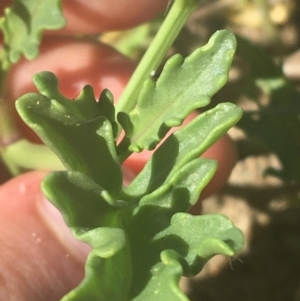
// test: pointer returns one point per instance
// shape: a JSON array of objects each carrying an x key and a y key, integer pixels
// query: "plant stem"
[
  {"x": 176, "y": 18},
  {"x": 23, "y": 155}
]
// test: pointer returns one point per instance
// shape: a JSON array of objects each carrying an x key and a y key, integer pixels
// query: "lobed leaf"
[
  {"x": 83, "y": 203},
  {"x": 181, "y": 191},
  {"x": 183, "y": 86},
  {"x": 183, "y": 146},
  {"x": 23, "y": 25},
  {"x": 202, "y": 237},
  {"x": 107, "y": 271},
  {"x": 75, "y": 130},
  {"x": 165, "y": 246},
  {"x": 174, "y": 247},
  {"x": 94, "y": 218},
  {"x": 163, "y": 284}
]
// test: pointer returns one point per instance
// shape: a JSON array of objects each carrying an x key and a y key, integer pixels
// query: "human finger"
[
  {"x": 38, "y": 255},
  {"x": 90, "y": 17}
]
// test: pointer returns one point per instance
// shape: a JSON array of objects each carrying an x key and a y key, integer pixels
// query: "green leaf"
[
  {"x": 107, "y": 109},
  {"x": 94, "y": 217},
  {"x": 85, "y": 205},
  {"x": 181, "y": 191},
  {"x": 75, "y": 130},
  {"x": 107, "y": 270},
  {"x": 184, "y": 85},
  {"x": 183, "y": 146},
  {"x": 177, "y": 15},
  {"x": 106, "y": 278},
  {"x": 202, "y": 237},
  {"x": 183, "y": 243},
  {"x": 23, "y": 25},
  {"x": 163, "y": 284}
]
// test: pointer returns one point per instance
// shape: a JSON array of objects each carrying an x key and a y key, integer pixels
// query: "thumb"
[{"x": 39, "y": 259}]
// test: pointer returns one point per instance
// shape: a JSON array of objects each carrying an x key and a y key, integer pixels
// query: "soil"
[{"x": 269, "y": 266}]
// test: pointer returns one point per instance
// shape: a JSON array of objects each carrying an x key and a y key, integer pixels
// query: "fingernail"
[{"x": 55, "y": 222}]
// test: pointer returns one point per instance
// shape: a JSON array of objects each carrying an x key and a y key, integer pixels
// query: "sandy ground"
[{"x": 268, "y": 269}]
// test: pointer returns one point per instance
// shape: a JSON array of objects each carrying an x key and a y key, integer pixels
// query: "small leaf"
[
  {"x": 181, "y": 191},
  {"x": 75, "y": 130},
  {"x": 94, "y": 218},
  {"x": 107, "y": 270},
  {"x": 183, "y": 86},
  {"x": 202, "y": 237},
  {"x": 83, "y": 203},
  {"x": 86, "y": 107},
  {"x": 23, "y": 25},
  {"x": 105, "y": 241},
  {"x": 107, "y": 109},
  {"x": 164, "y": 283},
  {"x": 188, "y": 240},
  {"x": 183, "y": 146}
]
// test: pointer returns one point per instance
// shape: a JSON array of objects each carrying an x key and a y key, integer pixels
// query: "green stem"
[
  {"x": 176, "y": 18},
  {"x": 23, "y": 155}
]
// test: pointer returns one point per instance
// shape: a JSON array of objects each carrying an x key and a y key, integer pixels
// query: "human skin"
[{"x": 39, "y": 260}]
